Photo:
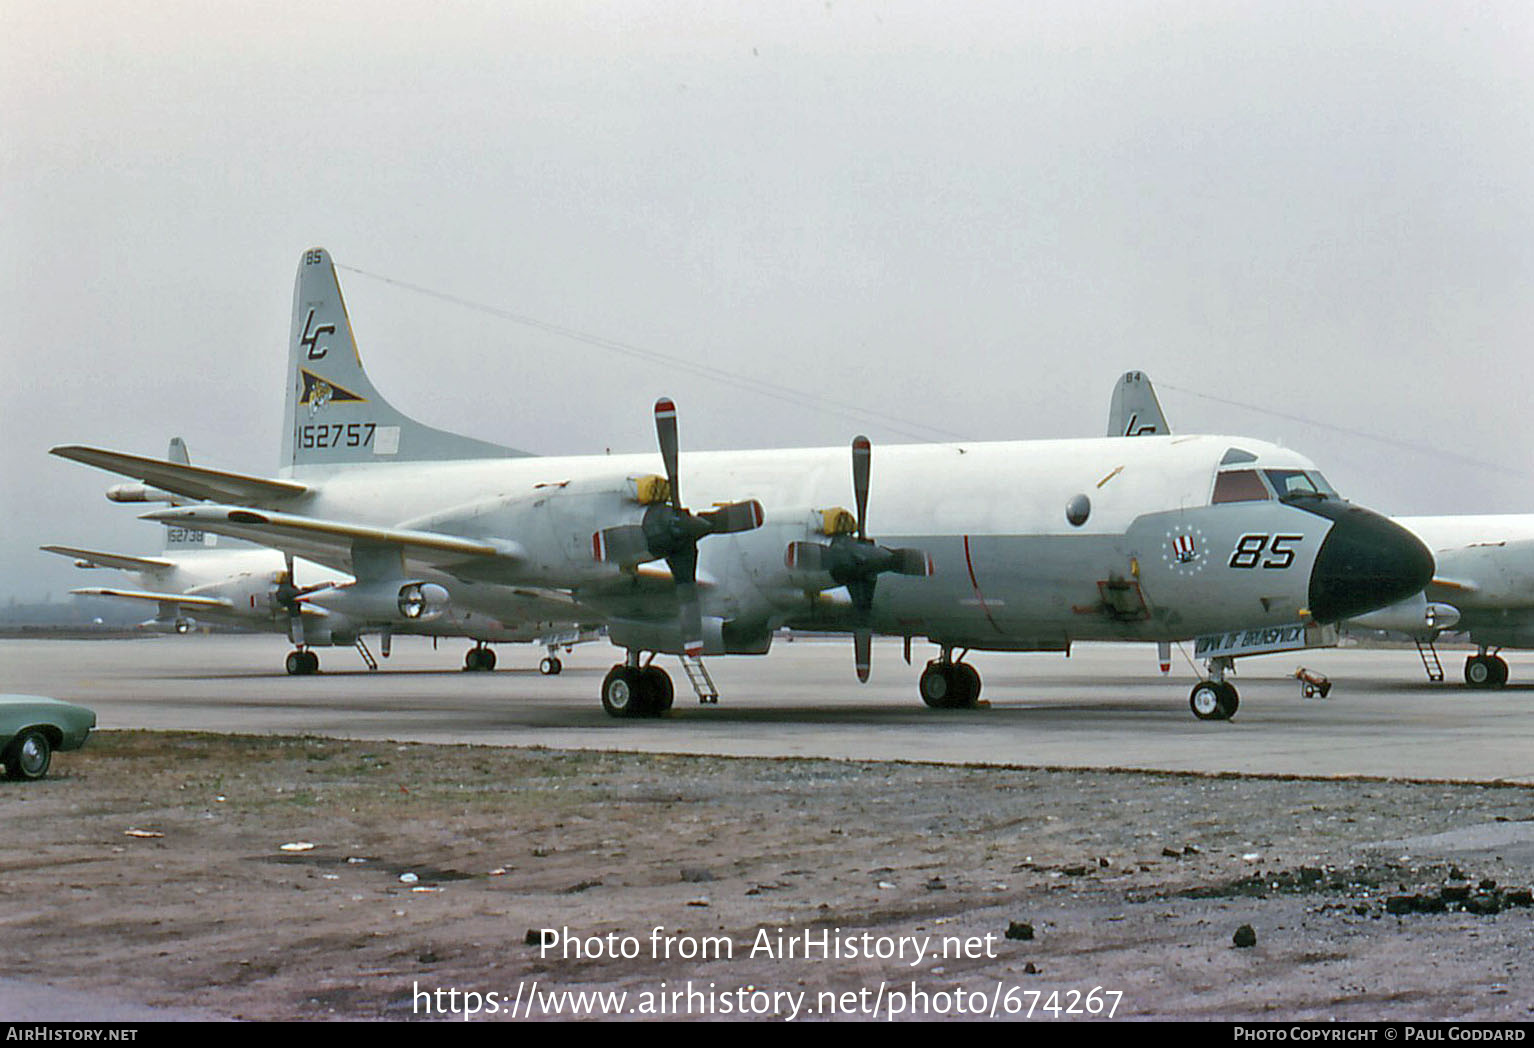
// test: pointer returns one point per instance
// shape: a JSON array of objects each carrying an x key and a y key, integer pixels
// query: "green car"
[{"x": 32, "y": 727}]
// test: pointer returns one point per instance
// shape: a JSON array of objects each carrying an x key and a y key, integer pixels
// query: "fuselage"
[
  {"x": 1485, "y": 570},
  {"x": 1156, "y": 556}
]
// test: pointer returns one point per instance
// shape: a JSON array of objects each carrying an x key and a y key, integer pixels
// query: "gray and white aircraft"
[
  {"x": 1482, "y": 586},
  {"x": 256, "y": 588},
  {"x": 253, "y": 587},
  {"x": 1009, "y": 546}
]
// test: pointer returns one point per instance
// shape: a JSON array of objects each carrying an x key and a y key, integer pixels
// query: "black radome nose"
[{"x": 1366, "y": 562}]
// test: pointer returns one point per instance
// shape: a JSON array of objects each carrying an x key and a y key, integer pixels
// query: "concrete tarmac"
[{"x": 1107, "y": 706}]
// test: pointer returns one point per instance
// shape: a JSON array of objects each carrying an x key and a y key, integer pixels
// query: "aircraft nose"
[{"x": 1366, "y": 561}]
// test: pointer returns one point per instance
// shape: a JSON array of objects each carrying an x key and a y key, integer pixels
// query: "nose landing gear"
[{"x": 1215, "y": 698}]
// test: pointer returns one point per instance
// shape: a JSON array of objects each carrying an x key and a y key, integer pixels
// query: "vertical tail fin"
[
  {"x": 1135, "y": 411},
  {"x": 333, "y": 415},
  {"x": 179, "y": 538}
]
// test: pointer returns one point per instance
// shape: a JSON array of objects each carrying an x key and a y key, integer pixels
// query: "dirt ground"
[{"x": 150, "y": 867}]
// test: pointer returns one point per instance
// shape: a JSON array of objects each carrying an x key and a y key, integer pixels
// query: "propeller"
[
  {"x": 289, "y": 596},
  {"x": 854, "y": 560},
  {"x": 286, "y": 595},
  {"x": 671, "y": 532}
]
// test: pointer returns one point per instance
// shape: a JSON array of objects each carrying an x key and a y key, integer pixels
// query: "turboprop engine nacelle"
[{"x": 386, "y": 602}]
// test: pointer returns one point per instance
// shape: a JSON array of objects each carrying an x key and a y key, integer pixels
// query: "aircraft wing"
[
  {"x": 162, "y": 598},
  {"x": 197, "y": 482},
  {"x": 333, "y": 541},
  {"x": 121, "y": 561}
]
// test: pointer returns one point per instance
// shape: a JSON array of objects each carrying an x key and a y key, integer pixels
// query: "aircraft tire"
[
  {"x": 658, "y": 690},
  {"x": 296, "y": 664},
  {"x": 550, "y": 666},
  {"x": 968, "y": 679},
  {"x": 1230, "y": 700},
  {"x": 28, "y": 756},
  {"x": 624, "y": 693},
  {"x": 1212, "y": 700},
  {"x": 311, "y": 661},
  {"x": 936, "y": 685},
  {"x": 1485, "y": 671}
]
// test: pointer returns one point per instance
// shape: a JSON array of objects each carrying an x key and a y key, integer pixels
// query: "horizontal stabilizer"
[
  {"x": 120, "y": 561},
  {"x": 165, "y": 598},
  {"x": 331, "y": 535},
  {"x": 196, "y": 482}
]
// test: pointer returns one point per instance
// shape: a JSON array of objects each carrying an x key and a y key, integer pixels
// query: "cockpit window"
[
  {"x": 1240, "y": 485},
  {"x": 1295, "y": 483}
]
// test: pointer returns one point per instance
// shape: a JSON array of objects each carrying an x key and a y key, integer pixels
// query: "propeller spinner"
[
  {"x": 855, "y": 560},
  {"x": 670, "y": 532}
]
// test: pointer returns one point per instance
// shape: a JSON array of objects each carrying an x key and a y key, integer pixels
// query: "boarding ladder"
[
  {"x": 367, "y": 656},
  {"x": 1430, "y": 661},
  {"x": 702, "y": 683}
]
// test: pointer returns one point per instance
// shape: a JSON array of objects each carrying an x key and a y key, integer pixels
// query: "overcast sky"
[{"x": 966, "y": 218}]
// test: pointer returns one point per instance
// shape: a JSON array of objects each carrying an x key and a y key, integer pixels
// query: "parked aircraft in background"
[
  {"x": 1482, "y": 586},
  {"x": 253, "y": 587},
  {"x": 1013, "y": 546}
]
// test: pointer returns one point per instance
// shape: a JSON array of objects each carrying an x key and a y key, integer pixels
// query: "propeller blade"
[
  {"x": 805, "y": 556},
  {"x": 734, "y": 516},
  {"x": 862, "y": 652},
  {"x": 862, "y": 460},
  {"x": 287, "y": 594},
  {"x": 625, "y": 545},
  {"x": 684, "y": 569},
  {"x": 861, "y": 590},
  {"x": 911, "y": 562},
  {"x": 665, "y": 432}
]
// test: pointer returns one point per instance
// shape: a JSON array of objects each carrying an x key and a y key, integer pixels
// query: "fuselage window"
[{"x": 1240, "y": 485}]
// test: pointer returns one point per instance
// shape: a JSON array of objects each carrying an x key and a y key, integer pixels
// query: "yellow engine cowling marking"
[
  {"x": 651, "y": 489},
  {"x": 837, "y": 521}
]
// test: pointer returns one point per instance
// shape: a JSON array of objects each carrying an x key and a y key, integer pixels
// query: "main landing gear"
[
  {"x": 479, "y": 659},
  {"x": 302, "y": 662},
  {"x": 632, "y": 690},
  {"x": 1215, "y": 698},
  {"x": 949, "y": 685},
  {"x": 1485, "y": 671}
]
